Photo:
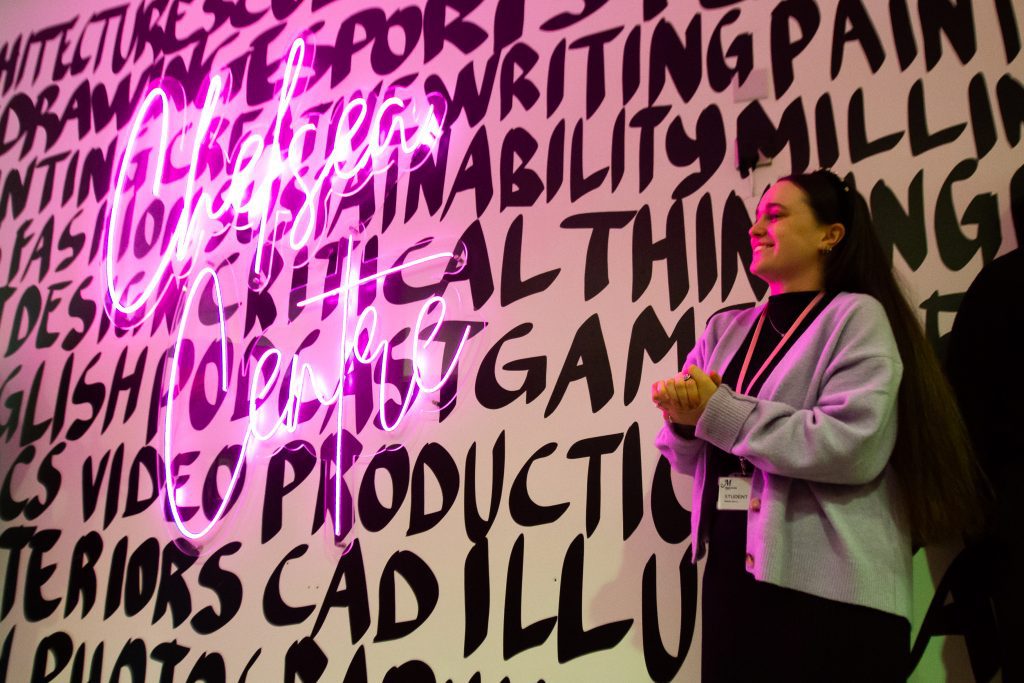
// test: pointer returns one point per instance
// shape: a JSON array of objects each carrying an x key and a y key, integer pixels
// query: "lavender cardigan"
[{"x": 830, "y": 519}]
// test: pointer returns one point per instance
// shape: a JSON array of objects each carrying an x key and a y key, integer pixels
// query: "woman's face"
[{"x": 788, "y": 241}]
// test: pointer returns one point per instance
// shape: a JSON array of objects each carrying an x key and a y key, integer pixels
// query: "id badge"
[{"x": 733, "y": 493}]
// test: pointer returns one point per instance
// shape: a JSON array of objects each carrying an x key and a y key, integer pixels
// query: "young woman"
[{"x": 824, "y": 444}]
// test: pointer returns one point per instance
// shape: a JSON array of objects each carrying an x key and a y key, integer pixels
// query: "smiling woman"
[
  {"x": 788, "y": 241},
  {"x": 822, "y": 493}
]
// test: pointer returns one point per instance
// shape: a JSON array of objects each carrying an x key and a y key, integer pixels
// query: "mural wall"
[{"x": 327, "y": 328}]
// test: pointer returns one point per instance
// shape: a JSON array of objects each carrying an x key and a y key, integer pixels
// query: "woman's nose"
[{"x": 757, "y": 228}]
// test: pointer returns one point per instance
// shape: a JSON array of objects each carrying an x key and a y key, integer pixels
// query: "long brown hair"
[{"x": 933, "y": 455}]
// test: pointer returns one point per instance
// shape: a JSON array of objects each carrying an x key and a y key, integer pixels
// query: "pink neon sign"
[
  {"x": 367, "y": 140},
  {"x": 360, "y": 149}
]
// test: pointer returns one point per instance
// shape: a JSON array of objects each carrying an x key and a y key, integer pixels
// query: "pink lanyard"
[{"x": 778, "y": 347}]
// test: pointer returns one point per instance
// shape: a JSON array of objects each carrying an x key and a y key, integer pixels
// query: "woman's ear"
[{"x": 834, "y": 234}]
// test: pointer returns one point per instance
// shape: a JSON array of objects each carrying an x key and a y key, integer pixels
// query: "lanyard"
[{"x": 778, "y": 347}]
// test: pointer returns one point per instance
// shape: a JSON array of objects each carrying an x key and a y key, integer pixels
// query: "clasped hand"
[{"x": 682, "y": 398}]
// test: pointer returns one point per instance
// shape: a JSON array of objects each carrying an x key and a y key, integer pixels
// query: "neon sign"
[
  {"x": 358, "y": 153},
  {"x": 369, "y": 137}
]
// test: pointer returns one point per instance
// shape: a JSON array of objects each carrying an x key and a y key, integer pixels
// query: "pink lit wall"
[{"x": 327, "y": 327}]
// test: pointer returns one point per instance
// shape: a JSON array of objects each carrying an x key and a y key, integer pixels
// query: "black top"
[{"x": 782, "y": 311}]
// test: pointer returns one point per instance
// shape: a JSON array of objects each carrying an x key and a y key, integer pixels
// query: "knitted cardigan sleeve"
[
  {"x": 683, "y": 452},
  {"x": 847, "y": 436}
]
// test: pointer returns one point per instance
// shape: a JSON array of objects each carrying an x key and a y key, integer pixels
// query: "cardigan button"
[
  {"x": 755, "y": 504},
  {"x": 750, "y": 561}
]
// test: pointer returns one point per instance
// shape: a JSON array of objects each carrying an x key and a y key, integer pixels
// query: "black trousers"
[{"x": 755, "y": 631}]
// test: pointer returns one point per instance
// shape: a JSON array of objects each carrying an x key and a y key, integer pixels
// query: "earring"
[{"x": 827, "y": 250}]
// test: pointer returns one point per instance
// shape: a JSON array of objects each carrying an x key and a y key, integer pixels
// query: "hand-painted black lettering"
[
  {"x": 32, "y": 430},
  {"x": 524, "y": 509},
  {"x": 586, "y": 359},
  {"x": 354, "y": 596},
  {"x": 555, "y": 90},
  {"x": 600, "y": 224},
  {"x": 433, "y": 458},
  {"x": 513, "y": 286},
  {"x": 956, "y": 249},
  {"x": 149, "y": 461},
  {"x": 13, "y": 539},
  {"x": 904, "y": 229},
  {"x": 1010, "y": 95},
  {"x": 671, "y": 249},
  {"x": 82, "y": 574},
  {"x": 741, "y": 51},
  {"x": 566, "y": 19},
  {"x": 581, "y": 183},
  {"x": 647, "y": 120},
  {"x": 38, "y": 574},
  {"x": 649, "y": 339},
  {"x": 304, "y": 661},
  {"x": 276, "y": 611},
  {"x": 226, "y": 586},
  {"x": 784, "y": 47},
  {"x": 409, "y": 21},
  {"x": 661, "y": 665},
  {"x": 465, "y": 35},
  {"x": 983, "y": 124},
  {"x": 574, "y": 640},
  {"x": 132, "y": 659},
  {"x": 468, "y": 97},
  {"x": 474, "y": 174},
  {"x": 921, "y": 140},
  {"x": 301, "y": 464},
  {"x": 508, "y": 23},
  {"x": 418, "y": 576},
  {"x": 556, "y": 160},
  {"x": 516, "y": 637},
  {"x": 860, "y": 147},
  {"x": 593, "y": 448},
  {"x": 756, "y": 133},
  {"x": 477, "y": 588},
  {"x": 515, "y": 82},
  {"x": 225, "y": 460},
  {"x": 683, "y": 61},
  {"x": 852, "y": 23},
  {"x": 428, "y": 179},
  {"x": 56, "y": 647},
  {"x": 172, "y": 590},
  {"x": 632, "y": 482},
  {"x": 132, "y": 383},
  {"x": 671, "y": 520},
  {"x": 169, "y": 656},
  {"x": 140, "y": 579},
  {"x": 477, "y": 527},
  {"x": 373, "y": 513},
  {"x": 594, "y": 45},
  {"x": 825, "y": 132},
  {"x": 471, "y": 251},
  {"x": 955, "y": 21},
  {"x": 490, "y": 393},
  {"x": 520, "y": 185}
]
